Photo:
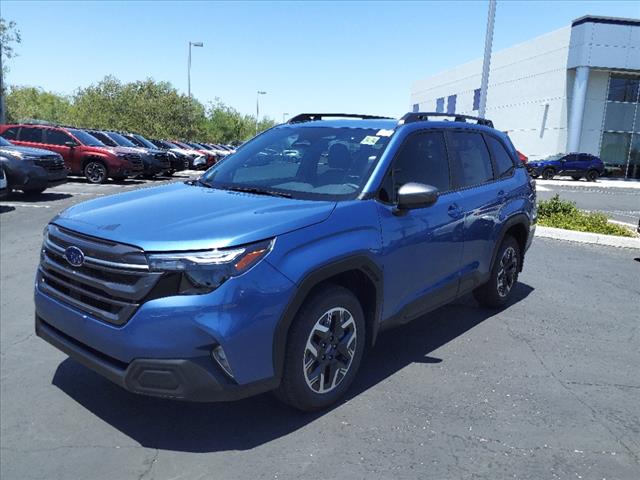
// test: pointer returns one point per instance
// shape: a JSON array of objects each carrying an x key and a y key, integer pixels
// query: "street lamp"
[
  {"x": 284, "y": 117},
  {"x": 260, "y": 92},
  {"x": 191, "y": 44}
]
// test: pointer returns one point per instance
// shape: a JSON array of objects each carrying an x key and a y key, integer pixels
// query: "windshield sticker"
[
  {"x": 369, "y": 140},
  {"x": 384, "y": 133}
]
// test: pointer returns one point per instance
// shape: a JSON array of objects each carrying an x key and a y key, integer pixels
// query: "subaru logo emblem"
[{"x": 74, "y": 256}]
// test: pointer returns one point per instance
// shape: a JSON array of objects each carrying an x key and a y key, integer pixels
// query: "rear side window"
[
  {"x": 470, "y": 159},
  {"x": 503, "y": 163},
  {"x": 11, "y": 133},
  {"x": 31, "y": 134},
  {"x": 56, "y": 137},
  {"x": 422, "y": 159}
]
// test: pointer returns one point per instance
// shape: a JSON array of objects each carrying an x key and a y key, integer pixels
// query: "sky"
[{"x": 356, "y": 57}]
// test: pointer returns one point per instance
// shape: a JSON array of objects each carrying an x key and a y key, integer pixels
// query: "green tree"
[
  {"x": 29, "y": 103},
  {"x": 155, "y": 109},
  {"x": 9, "y": 36}
]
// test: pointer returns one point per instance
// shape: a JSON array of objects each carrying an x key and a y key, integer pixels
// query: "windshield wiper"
[
  {"x": 259, "y": 191},
  {"x": 199, "y": 182}
]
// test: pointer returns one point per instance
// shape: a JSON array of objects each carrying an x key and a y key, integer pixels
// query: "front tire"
[
  {"x": 95, "y": 171},
  {"x": 504, "y": 275},
  {"x": 548, "y": 174},
  {"x": 324, "y": 349}
]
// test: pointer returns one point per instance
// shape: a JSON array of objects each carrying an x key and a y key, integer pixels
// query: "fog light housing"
[{"x": 221, "y": 358}]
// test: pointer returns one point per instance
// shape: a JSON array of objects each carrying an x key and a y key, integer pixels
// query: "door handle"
[{"x": 454, "y": 211}]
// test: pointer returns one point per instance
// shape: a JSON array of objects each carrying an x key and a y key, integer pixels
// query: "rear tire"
[
  {"x": 548, "y": 174},
  {"x": 324, "y": 349},
  {"x": 504, "y": 275},
  {"x": 95, "y": 172},
  {"x": 592, "y": 175}
]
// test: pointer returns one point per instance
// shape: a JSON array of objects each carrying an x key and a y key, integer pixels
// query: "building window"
[
  {"x": 476, "y": 99},
  {"x": 416, "y": 107},
  {"x": 619, "y": 148},
  {"x": 451, "y": 103},
  {"x": 440, "y": 105}
]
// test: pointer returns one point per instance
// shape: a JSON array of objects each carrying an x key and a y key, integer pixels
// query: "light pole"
[
  {"x": 260, "y": 92},
  {"x": 191, "y": 44},
  {"x": 284, "y": 117},
  {"x": 486, "y": 64}
]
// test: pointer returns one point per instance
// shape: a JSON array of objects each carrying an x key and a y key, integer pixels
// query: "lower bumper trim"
[{"x": 194, "y": 379}]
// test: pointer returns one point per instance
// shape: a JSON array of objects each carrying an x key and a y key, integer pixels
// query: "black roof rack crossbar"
[
  {"x": 309, "y": 117},
  {"x": 424, "y": 116}
]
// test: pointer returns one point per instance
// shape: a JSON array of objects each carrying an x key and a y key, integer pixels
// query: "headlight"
[{"x": 204, "y": 271}]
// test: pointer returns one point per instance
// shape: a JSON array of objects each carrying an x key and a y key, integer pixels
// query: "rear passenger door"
[
  {"x": 422, "y": 248},
  {"x": 481, "y": 198},
  {"x": 30, "y": 137}
]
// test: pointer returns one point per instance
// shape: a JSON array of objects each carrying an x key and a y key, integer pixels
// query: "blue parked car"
[
  {"x": 576, "y": 165},
  {"x": 275, "y": 271}
]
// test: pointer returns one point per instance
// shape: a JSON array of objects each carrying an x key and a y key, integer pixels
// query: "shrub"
[{"x": 560, "y": 213}]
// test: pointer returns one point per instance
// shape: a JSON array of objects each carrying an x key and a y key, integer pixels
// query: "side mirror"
[
  {"x": 416, "y": 195},
  {"x": 70, "y": 143}
]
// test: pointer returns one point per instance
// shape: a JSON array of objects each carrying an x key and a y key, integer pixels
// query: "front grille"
[
  {"x": 163, "y": 158},
  {"x": 111, "y": 284},
  {"x": 50, "y": 163},
  {"x": 135, "y": 160}
]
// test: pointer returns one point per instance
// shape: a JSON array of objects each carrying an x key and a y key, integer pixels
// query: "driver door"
[{"x": 422, "y": 248}]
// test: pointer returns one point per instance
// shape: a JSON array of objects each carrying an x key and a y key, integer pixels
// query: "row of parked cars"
[{"x": 35, "y": 156}]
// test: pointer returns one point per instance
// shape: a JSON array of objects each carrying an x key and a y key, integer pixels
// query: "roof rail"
[
  {"x": 424, "y": 116},
  {"x": 308, "y": 117}
]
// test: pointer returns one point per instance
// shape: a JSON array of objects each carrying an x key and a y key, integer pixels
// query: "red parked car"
[
  {"x": 523, "y": 158},
  {"x": 208, "y": 154},
  {"x": 83, "y": 154}
]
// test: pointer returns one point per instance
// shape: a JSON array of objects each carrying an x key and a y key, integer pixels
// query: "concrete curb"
[{"x": 587, "y": 237}]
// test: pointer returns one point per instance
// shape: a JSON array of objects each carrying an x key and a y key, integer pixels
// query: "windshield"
[
  {"x": 4, "y": 142},
  {"x": 86, "y": 139},
  {"x": 120, "y": 140},
  {"x": 145, "y": 142},
  {"x": 323, "y": 163}
]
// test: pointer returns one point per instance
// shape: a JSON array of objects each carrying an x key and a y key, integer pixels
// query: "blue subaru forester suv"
[{"x": 278, "y": 268}]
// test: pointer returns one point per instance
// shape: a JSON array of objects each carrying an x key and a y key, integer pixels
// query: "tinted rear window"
[
  {"x": 470, "y": 159},
  {"x": 31, "y": 134}
]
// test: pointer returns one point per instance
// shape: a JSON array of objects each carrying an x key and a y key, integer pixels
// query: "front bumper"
[
  {"x": 184, "y": 379},
  {"x": 165, "y": 348}
]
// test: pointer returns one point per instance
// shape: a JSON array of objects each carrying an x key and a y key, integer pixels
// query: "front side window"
[
  {"x": 85, "y": 138},
  {"x": 503, "y": 162},
  {"x": 31, "y": 134},
  {"x": 423, "y": 159},
  {"x": 56, "y": 137},
  {"x": 11, "y": 133},
  {"x": 323, "y": 163},
  {"x": 470, "y": 159}
]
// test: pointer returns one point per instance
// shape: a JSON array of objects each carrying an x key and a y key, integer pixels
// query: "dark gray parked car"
[{"x": 31, "y": 170}]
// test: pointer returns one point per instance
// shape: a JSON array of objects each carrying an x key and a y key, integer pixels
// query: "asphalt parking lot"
[{"x": 546, "y": 388}]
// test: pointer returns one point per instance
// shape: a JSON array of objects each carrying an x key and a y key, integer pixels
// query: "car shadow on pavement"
[
  {"x": 38, "y": 197},
  {"x": 245, "y": 424},
  {"x": 6, "y": 208}
]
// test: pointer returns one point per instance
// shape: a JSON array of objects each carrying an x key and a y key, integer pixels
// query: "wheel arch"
[
  {"x": 517, "y": 226},
  {"x": 357, "y": 273}
]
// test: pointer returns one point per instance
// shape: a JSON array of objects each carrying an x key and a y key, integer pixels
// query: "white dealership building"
[{"x": 575, "y": 89}]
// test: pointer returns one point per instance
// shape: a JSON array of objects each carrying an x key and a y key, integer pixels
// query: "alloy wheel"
[
  {"x": 330, "y": 348},
  {"x": 95, "y": 172},
  {"x": 508, "y": 271}
]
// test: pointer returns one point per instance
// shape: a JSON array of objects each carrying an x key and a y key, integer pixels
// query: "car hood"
[
  {"x": 34, "y": 152},
  {"x": 180, "y": 216}
]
